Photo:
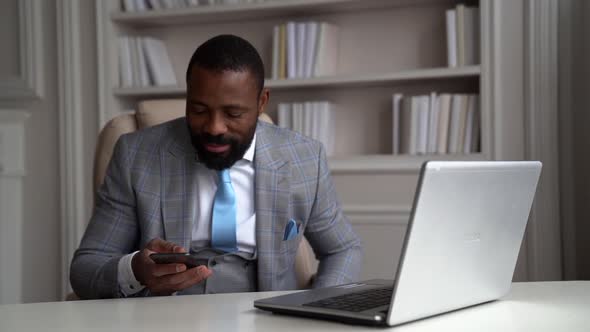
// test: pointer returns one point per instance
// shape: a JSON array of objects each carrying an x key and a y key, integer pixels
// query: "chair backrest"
[{"x": 154, "y": 112}]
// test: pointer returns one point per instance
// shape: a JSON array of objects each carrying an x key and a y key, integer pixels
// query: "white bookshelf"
[{"x": 385, "y": 47}]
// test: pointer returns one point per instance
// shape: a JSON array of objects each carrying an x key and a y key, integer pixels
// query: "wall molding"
[
  {"x": 103, "y": 33},
  {"x": 29, "y": 84},
  {"x": 12, "y": 146},
  {"x": 542, "y": 136},
  {"x": 12, "y": 172},
  {"x": 70, "y": 134}
]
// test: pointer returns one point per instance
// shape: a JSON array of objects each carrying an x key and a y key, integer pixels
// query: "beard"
[{"x": 220, "y": 161}]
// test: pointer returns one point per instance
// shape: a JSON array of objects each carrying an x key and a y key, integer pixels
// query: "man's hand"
[{"x": 165, "y": 279}]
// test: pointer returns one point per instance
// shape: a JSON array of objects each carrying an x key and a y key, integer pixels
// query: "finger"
[
  {"x": 159, "y": 270},
  {"x": 202, "y": 273},
  {"x": 180, "y": 281},
  {"x": 162, "y": 246}
]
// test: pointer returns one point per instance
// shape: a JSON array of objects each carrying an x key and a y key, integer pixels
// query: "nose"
[{"x": 216, "y": 124}]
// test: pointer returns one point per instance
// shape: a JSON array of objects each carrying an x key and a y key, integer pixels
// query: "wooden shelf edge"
[{"x": 327, "y": 82}]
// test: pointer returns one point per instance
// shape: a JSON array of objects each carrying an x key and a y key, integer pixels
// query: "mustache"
[{"x": 218, "y": 139}]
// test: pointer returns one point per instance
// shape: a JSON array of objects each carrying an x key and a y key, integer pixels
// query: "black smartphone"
[{"x": 178, "y": 258}]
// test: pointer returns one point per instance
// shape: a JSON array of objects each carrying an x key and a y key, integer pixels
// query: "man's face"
[{"x": 222, "y": 110}]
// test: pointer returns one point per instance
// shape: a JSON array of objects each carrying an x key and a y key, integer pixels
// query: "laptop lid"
[{"x": 464, "y": 236}]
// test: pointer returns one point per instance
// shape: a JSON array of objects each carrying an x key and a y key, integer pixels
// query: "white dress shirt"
[{"x": 242, "y": 178}]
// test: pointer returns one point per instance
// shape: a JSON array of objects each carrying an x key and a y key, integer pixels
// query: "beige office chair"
[{"x": 153, "y": 112}]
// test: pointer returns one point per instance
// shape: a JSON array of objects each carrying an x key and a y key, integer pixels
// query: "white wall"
[{"x": 39, "y": 248}]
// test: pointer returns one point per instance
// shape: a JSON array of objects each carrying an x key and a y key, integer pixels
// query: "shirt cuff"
[{"x": 127, "y": 282}]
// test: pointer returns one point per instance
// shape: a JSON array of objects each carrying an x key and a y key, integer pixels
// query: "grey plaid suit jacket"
[{"x": 149, "y": 190}]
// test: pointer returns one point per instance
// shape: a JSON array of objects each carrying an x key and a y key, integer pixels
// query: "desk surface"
[{"x": 542, "y": 306}]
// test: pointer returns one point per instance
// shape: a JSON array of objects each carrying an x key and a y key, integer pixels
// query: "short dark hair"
[{"x": 228, "y": 52}]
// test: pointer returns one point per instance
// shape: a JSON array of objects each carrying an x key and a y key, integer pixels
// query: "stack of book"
[
  {"x": 144, "y": 61},
  {"x": 304, "y": 50},
  {"x": 143, "y": 5},
  {"x": 463, "y": 36},
  {"x": 436, "y": 124},
  {"x": 313, "y": 119}
]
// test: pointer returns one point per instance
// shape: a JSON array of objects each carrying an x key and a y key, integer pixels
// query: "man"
[{"x": 218, "y": 184}]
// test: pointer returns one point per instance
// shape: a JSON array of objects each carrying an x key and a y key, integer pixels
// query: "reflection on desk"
[{"x": 547, "y": 306}]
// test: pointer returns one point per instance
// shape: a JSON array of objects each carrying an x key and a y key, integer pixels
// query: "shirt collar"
[{"x": 249, "y": 155}]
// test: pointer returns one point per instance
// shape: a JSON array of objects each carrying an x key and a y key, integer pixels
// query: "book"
[
  {"x": 444, "y": 106},
  {"x": 471, "y": 35},
  {"x": 125, "y": 66},
  {"x": 311, "y": 34},
  {"x": 291, "y": 52},
  {"x": 297, "y": 117},
  {"x": 135, "y": 70},
  {"x": 283, "y": 51},
  {"x": 460, "y": 18},
  {"x": 300, "y": 47},
  {"x": 129, "y": 5},
  {"x": 396, "y": 109},
  {"x": 422, "y": 132},
  {"x": 328, "y": 127},
  {"x": 144, "y": 78},
  {"x": 155, "y": 4},
  {"x": 316, "y": 121},
  {"x": 454, "y": 124},
  {"x": 432, "y": 123},
  {"x": 141, "y": 5},
  {"x": 326, "y": 58},
  {"x": 159, "y": 65},
  {"x": 451, "y": 25},
  {"x": 408, "y": 125},
  {"x": 276, "y": 35},
  {"x": 308, "y": 119},
  {"x": 284, "y": 115},
  {"x": 462, "y": 123}
]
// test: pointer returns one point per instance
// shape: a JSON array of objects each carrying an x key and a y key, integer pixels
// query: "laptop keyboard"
[{"x": 356, "y": 302}]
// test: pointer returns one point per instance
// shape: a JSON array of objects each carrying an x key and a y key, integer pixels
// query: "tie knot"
[{"x": 224, "y": 176}]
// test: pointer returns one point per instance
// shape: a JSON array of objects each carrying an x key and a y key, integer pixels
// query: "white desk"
[{"x": 547, "y": 306}]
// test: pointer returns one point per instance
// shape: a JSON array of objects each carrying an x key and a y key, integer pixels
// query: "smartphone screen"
[{"x": 179, "y": 258}]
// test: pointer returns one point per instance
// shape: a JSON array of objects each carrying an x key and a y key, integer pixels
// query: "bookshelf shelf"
[
  {"x": 324, "y": 82},
  {"x": 251, "y": 11}
]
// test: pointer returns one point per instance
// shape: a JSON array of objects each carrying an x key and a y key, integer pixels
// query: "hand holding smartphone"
[{"x": 179, "y": 258}]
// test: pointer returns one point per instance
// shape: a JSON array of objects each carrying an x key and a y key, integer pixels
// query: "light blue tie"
[{"x": 223, "y": 224}]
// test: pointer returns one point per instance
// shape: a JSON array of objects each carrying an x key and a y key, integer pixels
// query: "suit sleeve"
[
  {"x": 111, "y": 233},
  {"x": 330, "y": 234}
]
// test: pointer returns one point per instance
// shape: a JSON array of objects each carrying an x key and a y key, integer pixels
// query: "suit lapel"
[
  {"x": 178, "y": 187},
  {"x": 272, "y": 175}
]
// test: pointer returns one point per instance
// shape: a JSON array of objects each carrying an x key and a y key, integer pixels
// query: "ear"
[{"x": 263, "y": 100}]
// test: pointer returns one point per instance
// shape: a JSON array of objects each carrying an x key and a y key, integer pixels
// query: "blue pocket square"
[{"x": 291, "y": 230}]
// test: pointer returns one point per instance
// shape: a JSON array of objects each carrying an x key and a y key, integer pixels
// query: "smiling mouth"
[{"x": 217, "y": 148}]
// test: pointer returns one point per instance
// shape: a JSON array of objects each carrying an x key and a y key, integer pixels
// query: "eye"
[
  {"x": 235, "y": 115},
  {"x": 197, "y": 109}
]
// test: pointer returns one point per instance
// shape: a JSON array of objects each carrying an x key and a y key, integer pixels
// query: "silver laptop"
[{"x": 460, "y": 249}]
